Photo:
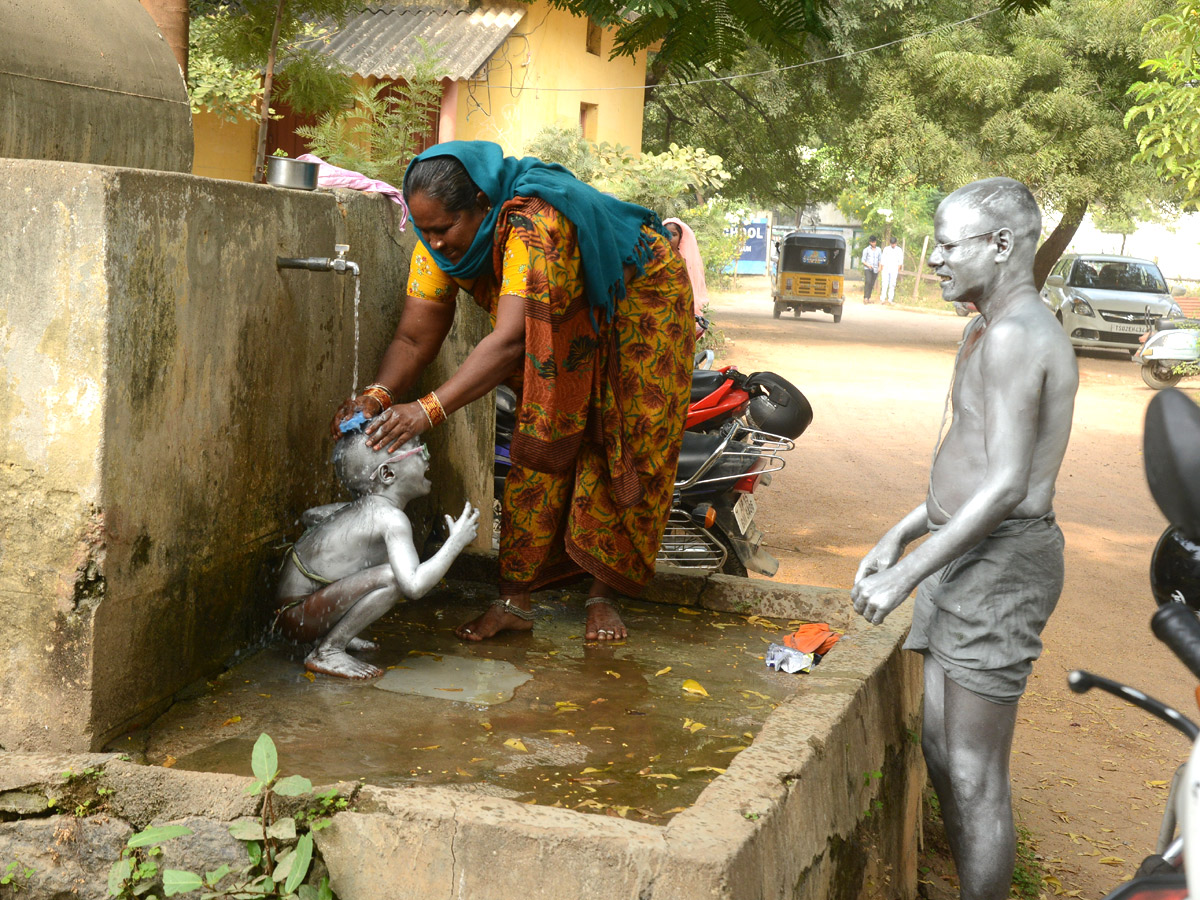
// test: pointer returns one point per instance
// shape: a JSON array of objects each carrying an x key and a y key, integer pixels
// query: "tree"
[
  {"x": 693, "y": 34},
  {"x": 1169, "y": 136},
  {"x": 1040, "y": 98},
  {"x": 239, "y": 38}
]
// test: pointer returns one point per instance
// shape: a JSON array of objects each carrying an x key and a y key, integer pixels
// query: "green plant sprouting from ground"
[
  {"x": 279, "y": 849},
  {"x": 1027, "y": 873},
  {"x": 383, "y": 129},
  {"x": 15, "y": 875}
]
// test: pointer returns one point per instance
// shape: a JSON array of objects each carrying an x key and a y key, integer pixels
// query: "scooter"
[
  {"x": 711, "y": 525},
  {"x": 1169, "y": 352},
  {"x": 1172, "y": 454},
  {"x": 762, "y": 400}
]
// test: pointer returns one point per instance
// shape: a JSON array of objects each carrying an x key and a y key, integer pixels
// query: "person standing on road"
[
  {"x": 870, "y": 265},
  {"x": 991, "y": 571},
  {"x": 890, "y": 263}
]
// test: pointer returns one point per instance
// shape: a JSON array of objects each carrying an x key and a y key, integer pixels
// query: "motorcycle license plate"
[
  {"x": 744, "y": 510},
  {"x": 1126, "y": 329}
]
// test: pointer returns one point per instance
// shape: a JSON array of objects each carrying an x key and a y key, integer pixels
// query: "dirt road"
[{"x": 1089, "y": 773}]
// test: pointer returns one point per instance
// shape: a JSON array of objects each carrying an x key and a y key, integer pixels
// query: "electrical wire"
[{"x": 812, "y": 62}]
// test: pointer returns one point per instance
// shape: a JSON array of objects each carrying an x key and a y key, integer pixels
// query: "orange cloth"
[{"x": 814, "y": 638}]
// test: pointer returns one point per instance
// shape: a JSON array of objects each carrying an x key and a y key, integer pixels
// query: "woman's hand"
[
  {"x": 392, "y": 428},
  {"x": 366, "y": 404}
]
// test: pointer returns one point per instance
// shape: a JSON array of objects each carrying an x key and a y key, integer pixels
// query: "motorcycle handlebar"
[
  {"x": 1177, "y": 626},
  {"x": 1081, "y": 682}
]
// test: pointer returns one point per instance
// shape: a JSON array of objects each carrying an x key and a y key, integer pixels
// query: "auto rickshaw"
[{"x": 808, "y": 273}]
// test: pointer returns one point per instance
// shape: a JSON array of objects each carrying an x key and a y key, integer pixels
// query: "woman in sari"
[{"x": 591, "y": 315}]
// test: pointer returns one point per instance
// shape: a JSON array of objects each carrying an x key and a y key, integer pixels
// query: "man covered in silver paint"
[{"x": 991, "y": 571}]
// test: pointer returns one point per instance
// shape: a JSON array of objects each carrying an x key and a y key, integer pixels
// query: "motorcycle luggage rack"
[
  {"x": 762, "y": 446},
  {"x": 687, "y": 545}
]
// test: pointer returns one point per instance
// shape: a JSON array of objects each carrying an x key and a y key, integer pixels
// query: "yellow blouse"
[{"x": 428, "y": 282}]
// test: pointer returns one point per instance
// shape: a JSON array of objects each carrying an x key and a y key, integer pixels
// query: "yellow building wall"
[
  {"x": 542, "y": 75},
  {"x": 224, "y": 149}
]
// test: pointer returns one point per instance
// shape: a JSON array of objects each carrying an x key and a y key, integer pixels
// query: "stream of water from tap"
[{"x": 357, "y": 294}]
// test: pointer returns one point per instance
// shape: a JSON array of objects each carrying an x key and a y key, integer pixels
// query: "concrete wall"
[
  {"x": 91, "y": 82},
  {"x": 165, "y": 401}
]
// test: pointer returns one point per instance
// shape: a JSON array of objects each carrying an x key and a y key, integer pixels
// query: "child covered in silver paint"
[{"x": 356, "y": 560}]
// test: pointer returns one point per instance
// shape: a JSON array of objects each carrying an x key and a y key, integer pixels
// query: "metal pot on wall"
[{"x": 292, "y": 173}]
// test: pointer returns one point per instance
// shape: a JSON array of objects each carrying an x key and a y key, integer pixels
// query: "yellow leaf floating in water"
[
  {"x": 436, "y": 656},
  {"x": 707, "y": 769},
  {"x": 749, "y": 693},
  {"x": 692, "y": 686},
  {"x": 556, "y": 731},
  {"x": 464, "y": 773},
  {"x": 450, "y": 690},
  {"x": 310, "y": 676},
  {"x": 692, "y": 726},
  {"x": 662, "y": 671},
  {"x": 663, "y": 775},
  {"x": 732, "y": 750},
  {"x": 589, "y": 770},
  {"x": 430, "y": 747},
  {"x": 612, "y": 673},
  {"x": 516, "y": 744},
  {"x": 689, "y": 612}
]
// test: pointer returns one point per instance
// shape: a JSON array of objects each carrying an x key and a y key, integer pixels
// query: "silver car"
[{"x": 1108, "y": 302}]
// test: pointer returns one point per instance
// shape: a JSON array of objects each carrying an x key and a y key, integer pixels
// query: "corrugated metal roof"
[{"x": 380, "y": 40}]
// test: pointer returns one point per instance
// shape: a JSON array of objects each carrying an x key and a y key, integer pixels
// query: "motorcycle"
[
  {"x": 1170, "y": 351},
  {"x": 736, "y": 427},
  {"x": 1172, "y": 459},
  {"x": 711, "y": 525}
]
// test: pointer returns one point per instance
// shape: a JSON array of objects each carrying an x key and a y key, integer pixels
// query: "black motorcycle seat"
[
  {"x": 705, "y": 381},
  {"x": 695, "y": 451}
]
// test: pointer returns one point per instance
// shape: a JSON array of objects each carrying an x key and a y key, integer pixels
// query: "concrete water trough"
[{"x": 823, "y": 802}]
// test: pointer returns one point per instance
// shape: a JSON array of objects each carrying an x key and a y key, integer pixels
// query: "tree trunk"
[
  {"x": 1052, "y": 248},
  {"x": 171, "y": 17},
  {"x": 260, "y": 165}
]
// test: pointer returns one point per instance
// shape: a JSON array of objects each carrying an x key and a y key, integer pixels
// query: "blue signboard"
[{"x": 753, "y": 260}]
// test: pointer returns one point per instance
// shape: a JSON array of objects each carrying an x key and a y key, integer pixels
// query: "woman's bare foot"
[
  {"x": 494, "y": 620},
  {"x": 329, "y": 661},
  {"x": 603, "y": 621},
  {"x": 361, "y": 644}
]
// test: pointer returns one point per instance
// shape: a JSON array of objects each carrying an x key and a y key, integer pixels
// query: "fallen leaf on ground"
[
  {"x": 430, "y": 747},
  {"x": 516, "y": 744},
  {"x": 689, "y": 612},
  {"x": 602, "y": 728},
  {"x": 691, "y": 686},
  {"x": 732, "y": 750},
  {"x": 612, "y": 673},
  {"x": 1111, "y": 860},
  {"x": 168, "y": 762},
  {"x": 1157, "y": 784},
  {"x": 667, "y": 775},
  {"x": 749, "y": 693},
  {"x": 556, "y": 731},
  {"x": 707, "y": 769},
  {"x": 310, "y": 676},
  {"x": 662, "y": 671},
  {"x": 693, "y": 727},
  {"x": 436, "y": 656},
  {"x": 463, "y": 772},
  {"x": 590, "y": 769},
  {"x": 450, "y": 690},
  {"x": 232, "y": 720}
]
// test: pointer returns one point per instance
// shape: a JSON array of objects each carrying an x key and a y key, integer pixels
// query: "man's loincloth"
[{"x": 981, "y": 616}]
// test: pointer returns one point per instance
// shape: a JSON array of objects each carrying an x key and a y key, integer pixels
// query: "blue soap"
[{"x": 356, "y": 422}]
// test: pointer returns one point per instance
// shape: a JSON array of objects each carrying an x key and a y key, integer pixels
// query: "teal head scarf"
[{"x": 609, "y": 231}]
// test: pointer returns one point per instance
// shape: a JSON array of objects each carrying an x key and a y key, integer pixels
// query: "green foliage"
[
  {"x": 1168, "y": 107},
  {"x": 1028, "y": 872},
  {"x": 383, "y": 130},
  {"x": 15, "y": 875},
  {"x": 279, "y": 854},
  {"x": 668, "y": 182},
  {"x": 226, "y": 56}
]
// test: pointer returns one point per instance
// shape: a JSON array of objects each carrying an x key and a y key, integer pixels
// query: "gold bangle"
[
  {"x": 434, "y": 411},
  {"x": 376, "y": 386},
  {"x": 379, "y": 395}
]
